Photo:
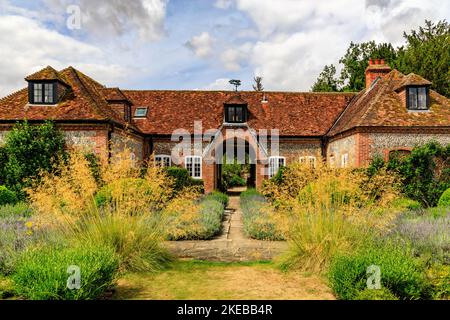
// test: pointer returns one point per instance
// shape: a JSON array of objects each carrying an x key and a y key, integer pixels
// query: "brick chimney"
[{"x": 377, "y": 68}]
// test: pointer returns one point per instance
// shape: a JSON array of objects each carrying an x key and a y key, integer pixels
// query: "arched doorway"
[{"x": 236, "y": 161}]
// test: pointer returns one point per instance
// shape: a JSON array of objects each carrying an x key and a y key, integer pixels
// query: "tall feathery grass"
[
  {"x": 329, "y": 211},
  {"x": 65, "y": 202}
]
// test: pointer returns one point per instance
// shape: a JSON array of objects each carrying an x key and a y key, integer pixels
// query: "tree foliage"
[
  {"x": 28, "y": 150},
  {"x": 425, "y": 172},
  {"x": 426, "y": 53},
  {"x": 326, "y": 82}
]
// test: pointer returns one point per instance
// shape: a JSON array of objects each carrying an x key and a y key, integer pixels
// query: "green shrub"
[
  {"x": 425, "y": 172},
  {"x": 444, "y": 200},
  {"x": 257, "y": 222},
  {"x": 28, "y": 150},
  {"x": 201, "y": 225},
  {"x": 7, "y": 196},
  {"x": 42, "y": 273},
  {"x": 375, "y": 294},
  {"x": 182, "y": 179},
  {"x": 401, "y": 274},
  {"x": 218, "y": 196}
]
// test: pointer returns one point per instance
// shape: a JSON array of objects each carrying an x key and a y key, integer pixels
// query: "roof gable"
[{"x": 382, "y": 106}]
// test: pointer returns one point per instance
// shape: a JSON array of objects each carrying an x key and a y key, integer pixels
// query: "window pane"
[
  {"x": 230, "y": 111},
  {"x": 48, "y": 92},
  {"x": 37, "y": 92},
  {"x": 412, "y": 98},
  {"x": 141, "y": 112},
  {"x": 422, "y": 101},
  {"x": 239, "y": 114}
]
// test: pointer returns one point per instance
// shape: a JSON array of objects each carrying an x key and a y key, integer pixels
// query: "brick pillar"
[
  {"x": 209, "y": 176},
  {"x": 260, "y": 177}
]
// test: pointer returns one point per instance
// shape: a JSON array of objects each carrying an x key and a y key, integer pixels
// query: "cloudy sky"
[{"x": 197, "y": 44}]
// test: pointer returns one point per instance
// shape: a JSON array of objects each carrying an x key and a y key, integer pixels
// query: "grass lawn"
[{"x": 200, "y": 280}]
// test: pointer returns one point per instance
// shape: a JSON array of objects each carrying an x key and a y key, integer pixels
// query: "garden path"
[{"x": 231, "y": 245}]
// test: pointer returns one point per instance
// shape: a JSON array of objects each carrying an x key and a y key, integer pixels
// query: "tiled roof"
[
  {"x": 294, "y": 114},
  {"x": 382, "y": 106},
  {"x": 411, "y": 79},
  {"x": 85, "y": 101},
  {"x": 113, "y": 94},
  {"x": 48, "y": 73},
  {"x": 301, "y": 114}
]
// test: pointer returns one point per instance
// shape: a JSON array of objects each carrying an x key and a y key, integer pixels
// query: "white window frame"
[
  {"x": 192, "y": 160},
  {"x": 160, "y": 159},
  {"x": 307, "y": 159},
  {"x": 344, "y": 160},
  {"x": 274, "y": 165}
]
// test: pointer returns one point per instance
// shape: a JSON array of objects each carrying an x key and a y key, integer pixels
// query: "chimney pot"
[
  {"x": 370, "y": 62},
  {"x": 377, "y": 61},
  {"x": 381, "y": 61}
]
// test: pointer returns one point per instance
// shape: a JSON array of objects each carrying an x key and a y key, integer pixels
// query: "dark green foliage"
[
  {"x": 28, "y": 150},
  {"x": 425, "y": 172},
  {"x": 356, "y": 60},
  {"x": 426, "y": 53},
  {"x": 401, "y": 274},
  {"x": 327, "y": 81},
  {"x": 7, "y": 196},
  {"x": 232, "y": 172},
  {"x": 41, "y": 273},
  {"x": 444, "y": 200},
  {"x": 182, "y": 179},
  {"x": 94, "y": 165},
  {"x": 218, "y": 196}
]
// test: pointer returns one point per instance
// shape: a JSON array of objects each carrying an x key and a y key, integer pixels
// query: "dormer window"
[
  {"x": 42, "y": 92},
  {"x": 235, "y": 113},
  {"x": 141, "y": 112},
  {"x": 417, "y": 98}
]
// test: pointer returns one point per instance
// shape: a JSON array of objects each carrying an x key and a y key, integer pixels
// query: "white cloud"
[
  {"x": 201, "y": 45},
  {"x": 223, "y": 4},
  {"x": 297, "y": 38},
  {"x": 219, "y": 84},
  {"x": 33, "y": 47},
  {"x": 112, "y": 18},
  {"x": 233, "y": 57}
]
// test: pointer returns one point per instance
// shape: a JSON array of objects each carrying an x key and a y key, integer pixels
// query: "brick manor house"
[{"x": 394, "y": 112}]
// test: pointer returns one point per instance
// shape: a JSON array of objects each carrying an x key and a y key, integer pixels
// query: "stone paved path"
[{"x": 231, "y": 245}]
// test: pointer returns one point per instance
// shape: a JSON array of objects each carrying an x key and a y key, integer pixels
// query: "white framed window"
[
  {"x": 163, "y": 160},
  {"x": 311, "y": 160},
  {"x": 193, "y": 165},
  {"x": 275, "y": 163},
  {"x": 344, "y": 160}
]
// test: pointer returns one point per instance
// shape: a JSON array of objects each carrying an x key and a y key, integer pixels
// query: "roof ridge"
[
  {"x": 12, "y": 94},
  {"x": 230, "y": 91},
  {"x": 99, "y": 112}
]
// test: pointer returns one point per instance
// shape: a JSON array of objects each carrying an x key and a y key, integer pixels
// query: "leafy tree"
[
  {"x": 258, "y": 86},
  {"x": 356, "y": 60},
  {"x": 427, "y": 53},
  {"x": 327, "y": 81},
  {"x": 28, "y": 150}
]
